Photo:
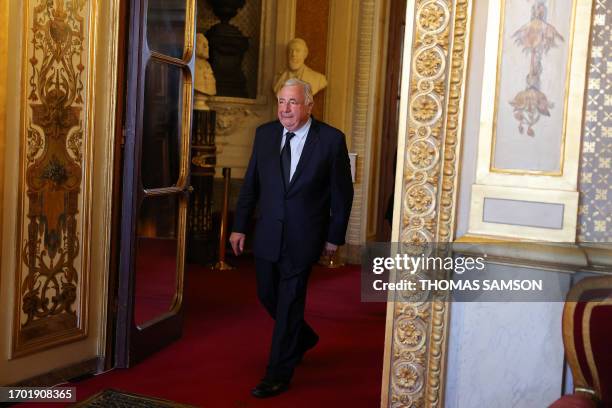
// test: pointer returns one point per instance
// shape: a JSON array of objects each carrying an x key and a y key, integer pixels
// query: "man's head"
[
  {"x": 297, "y": 51},
  {"x": 201, "y": 46},
  {"x": 294, "y": 104}
]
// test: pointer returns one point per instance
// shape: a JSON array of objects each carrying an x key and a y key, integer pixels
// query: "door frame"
[{"x": 390, "y": 120}]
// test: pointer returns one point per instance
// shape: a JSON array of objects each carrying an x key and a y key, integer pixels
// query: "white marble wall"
[{"x": 505, "y": 354}]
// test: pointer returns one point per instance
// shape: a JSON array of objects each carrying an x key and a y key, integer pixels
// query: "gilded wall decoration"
[
  {"x": 418, "y": 341},
  {"x": 595, "y": 181},
  {"x": 51, "y": 302}
]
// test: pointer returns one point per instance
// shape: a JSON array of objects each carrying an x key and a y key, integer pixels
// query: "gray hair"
[{"x": 308, "y": 98}]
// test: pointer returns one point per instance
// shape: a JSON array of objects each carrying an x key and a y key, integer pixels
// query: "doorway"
[{"x": 388, "y": 145}]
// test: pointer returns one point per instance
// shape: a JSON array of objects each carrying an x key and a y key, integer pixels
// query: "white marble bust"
[
  {"x": 297, "y": 52},
  {"x": 204, "y": 81}
]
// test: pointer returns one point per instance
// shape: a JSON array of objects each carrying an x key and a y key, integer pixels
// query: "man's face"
[
  {"x": 296, "y": 54},
  {"x": 293, "y": 112}
]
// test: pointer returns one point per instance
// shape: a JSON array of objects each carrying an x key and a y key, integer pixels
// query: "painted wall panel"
[
  {"x": 56, "y": 207},
  {"x": 55, "y": 171}
]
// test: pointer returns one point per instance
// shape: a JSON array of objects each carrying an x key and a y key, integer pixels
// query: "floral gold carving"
[
  {"x": 432, "y": 17},
  {"x": 429, "y": 62},
  {"x": 425, "y": 108},
  {"x": 409, "y": 377},
  {"x": 423, "y": 154},
  {"x": 420, "y": 199},
  {"x": 410, "y": 332},
  {"x": 439, "y": 54}
]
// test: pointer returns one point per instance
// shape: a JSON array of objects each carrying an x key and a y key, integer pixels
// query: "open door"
[{"x": 155, "y": 178}]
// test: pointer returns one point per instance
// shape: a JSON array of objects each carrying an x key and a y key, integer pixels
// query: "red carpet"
[{"x": 225, "y": 344}]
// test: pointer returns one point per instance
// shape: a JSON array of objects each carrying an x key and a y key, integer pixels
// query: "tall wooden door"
[{"x": 155, "y": 177}]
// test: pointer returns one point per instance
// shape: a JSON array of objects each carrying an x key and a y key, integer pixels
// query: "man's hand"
[
  {"x": 237, "y": 241},
  {"x": 330, "y": 249}
]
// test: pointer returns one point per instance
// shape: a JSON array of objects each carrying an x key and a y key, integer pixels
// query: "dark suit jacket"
[{"x": 315, "y": 207}]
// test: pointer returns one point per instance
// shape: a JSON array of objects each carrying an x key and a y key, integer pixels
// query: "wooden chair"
[{"x": 587, "y": 338}]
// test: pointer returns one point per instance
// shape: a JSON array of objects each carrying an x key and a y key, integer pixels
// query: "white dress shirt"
[{"x": 296, "y": 144}]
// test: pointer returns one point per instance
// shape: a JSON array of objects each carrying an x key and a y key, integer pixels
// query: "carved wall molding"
[
  {"x": 230, "y": 119},
  {"x": 55, "y": 166},
  {"x": 416, "y": 337}
]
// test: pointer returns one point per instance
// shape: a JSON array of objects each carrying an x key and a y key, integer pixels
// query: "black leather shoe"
[
  {"x": 268, "y": 388},
  {"x": 310, "y": 345}
]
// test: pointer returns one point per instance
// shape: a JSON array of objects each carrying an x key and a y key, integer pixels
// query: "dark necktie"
[{"x": 286, "y": 158}]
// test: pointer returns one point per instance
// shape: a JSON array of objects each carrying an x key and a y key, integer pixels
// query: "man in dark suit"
[{"x": 299, "y": 177}]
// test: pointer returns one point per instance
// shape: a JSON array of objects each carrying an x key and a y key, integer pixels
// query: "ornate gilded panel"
[
  {"x": 416, "y": 340},
  {"x": 51, "y": 298}
]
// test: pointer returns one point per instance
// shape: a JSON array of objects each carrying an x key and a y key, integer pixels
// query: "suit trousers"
[{"x": 281, "y": 289}]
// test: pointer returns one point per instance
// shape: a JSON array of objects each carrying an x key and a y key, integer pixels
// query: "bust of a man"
[
  {"x": 204, "y": 78},
  {"x": 297, "y": 51}
]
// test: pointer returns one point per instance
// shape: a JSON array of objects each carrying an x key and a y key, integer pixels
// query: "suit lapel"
[
  {"x": 274, "y": 153},
  {"x": 311, "y": 140}
]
